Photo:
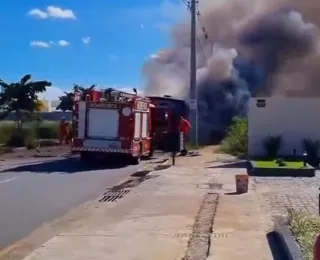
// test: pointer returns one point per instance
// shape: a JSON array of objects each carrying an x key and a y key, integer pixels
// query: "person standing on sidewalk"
[
  {"x": 63, "y": 131},
  {"x": 184, "y": 129}
]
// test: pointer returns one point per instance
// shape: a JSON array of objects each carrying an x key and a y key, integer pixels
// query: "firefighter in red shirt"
[
  {"x": 184, "y": 125},
  {"x": 184, "y": 128}
]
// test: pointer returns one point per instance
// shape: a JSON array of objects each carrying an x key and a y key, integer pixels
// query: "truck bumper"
[{"x": 100, "y": 150}]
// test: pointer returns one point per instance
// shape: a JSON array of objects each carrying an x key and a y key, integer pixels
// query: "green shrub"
[
  {"x": 272, "y": 145},
  {"x": 46, "y": 130},
  {"x": 31, "y": 131},
  {"x": 30, "y": 140},
  {"x": 6, "y": 131},
  {"x": 236, "y": 141},
  {"x": 17, "y": 138},
  {"x": 281, "y": 162}
]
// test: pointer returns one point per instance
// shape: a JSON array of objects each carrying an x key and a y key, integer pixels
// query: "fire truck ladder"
[{"x": 120, "y": 96}]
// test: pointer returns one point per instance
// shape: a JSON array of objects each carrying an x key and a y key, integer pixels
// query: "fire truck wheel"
[
  {"x": 84, "y": 156},
  {"x": 150, "y": 153}
]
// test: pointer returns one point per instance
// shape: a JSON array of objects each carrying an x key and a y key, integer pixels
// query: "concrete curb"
[{"x": 288, "y": 241}]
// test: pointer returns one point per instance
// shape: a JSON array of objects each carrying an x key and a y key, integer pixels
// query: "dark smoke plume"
[{"x": 254, "y": 48}]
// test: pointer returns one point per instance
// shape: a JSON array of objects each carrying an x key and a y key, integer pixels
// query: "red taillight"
[{"x": 77, "y": 142}]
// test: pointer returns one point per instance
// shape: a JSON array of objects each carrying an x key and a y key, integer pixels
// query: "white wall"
[{"x": 294, "y": 119}]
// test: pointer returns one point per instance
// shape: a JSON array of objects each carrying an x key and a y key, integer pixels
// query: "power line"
[
  {"x": 187, "y": 4},
  {"x": 203, "y": 29},
  {"x": 199, "y": 43}
]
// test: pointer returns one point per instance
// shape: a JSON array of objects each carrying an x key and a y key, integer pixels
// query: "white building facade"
[{"x": 294, "y": 119}]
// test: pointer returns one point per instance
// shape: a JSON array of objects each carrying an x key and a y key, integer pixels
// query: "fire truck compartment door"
[{"x": 103, "y": 123}]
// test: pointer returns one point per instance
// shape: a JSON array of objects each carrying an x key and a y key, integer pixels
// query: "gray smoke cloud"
[{"x": 253, "y": 48}]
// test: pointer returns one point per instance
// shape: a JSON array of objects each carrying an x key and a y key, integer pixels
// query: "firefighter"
[
  {"x": 184, "y": 129},
  {"x": 63, "y": 131}
]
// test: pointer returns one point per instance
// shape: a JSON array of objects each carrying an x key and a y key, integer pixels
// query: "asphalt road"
[{"x": 33, "y": 192}]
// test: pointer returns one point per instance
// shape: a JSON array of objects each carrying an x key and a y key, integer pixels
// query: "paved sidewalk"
[
  {"x": 156, "y": 219},
  {"x": 151, "y": 222},
  {"x": 240, "y": 226}
]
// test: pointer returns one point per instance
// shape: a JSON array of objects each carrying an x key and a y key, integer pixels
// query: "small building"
[
  {"x": 49, "y": 105},
  {"x": 294, "y": 119}
]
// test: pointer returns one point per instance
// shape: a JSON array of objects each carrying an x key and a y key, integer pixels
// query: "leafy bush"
[
  {"x": 272, "y": 145},
  {"x": 236, "y": 141},
  {"x": 30, "y": 143},
  {"x": 6, "y": 130},
  {"x": 46, "y": 130},
  {"x": 281, "y": 162},
  {"x": 30, "y": 140},
  {"x": 31, "y": 131},
  {"x": 17, "y": 138}
]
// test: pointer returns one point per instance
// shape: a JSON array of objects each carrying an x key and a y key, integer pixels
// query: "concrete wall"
[{"x": 294, "y": 119}]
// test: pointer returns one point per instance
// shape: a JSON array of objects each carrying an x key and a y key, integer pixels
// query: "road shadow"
[
  {"x": 66, "y": 166},
  {"x": 233, "y": 165},
  {"x": 233, "y": 193},
  {"x": 274, "y": 242}
]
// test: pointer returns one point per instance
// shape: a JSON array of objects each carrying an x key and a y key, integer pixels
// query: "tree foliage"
[
  {"x": 66, "y": 101},
  {"x": 21, "y": 97}
]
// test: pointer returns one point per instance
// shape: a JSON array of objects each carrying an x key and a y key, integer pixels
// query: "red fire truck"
[
  {"x": 111, "y": 122},
  {"x": 166, "y": 114}
]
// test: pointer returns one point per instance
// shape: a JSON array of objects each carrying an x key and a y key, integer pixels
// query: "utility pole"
[{"x": 193, "y": 76}]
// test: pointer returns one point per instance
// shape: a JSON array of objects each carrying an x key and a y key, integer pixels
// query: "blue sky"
[{"x": 100, "y": 42}]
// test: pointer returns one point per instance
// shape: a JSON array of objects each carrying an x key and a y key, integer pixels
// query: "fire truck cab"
[
  {"x": 166, "y": 116},
  {"x": 111, "y": 122}
]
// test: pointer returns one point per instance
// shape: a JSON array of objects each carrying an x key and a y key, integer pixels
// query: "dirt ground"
[{"x": 46, "y": 151}]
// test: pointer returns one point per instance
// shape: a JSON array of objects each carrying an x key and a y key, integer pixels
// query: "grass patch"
[
  {"x": 275, "y": 164},
  {"x": 305, "y": 227}
]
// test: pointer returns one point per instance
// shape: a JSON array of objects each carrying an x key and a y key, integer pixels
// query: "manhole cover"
[
  {"x": 215, "y": 185},
  {"x": 183, "y": 235},
  {"x": 113, "y": 196},
  {"x": 219, "y": 235}
]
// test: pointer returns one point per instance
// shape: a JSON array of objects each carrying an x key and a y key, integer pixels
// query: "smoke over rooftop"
[{"x": 262, "y": 47}]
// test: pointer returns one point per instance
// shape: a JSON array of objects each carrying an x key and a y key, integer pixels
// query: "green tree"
[
  {"x": 66, "y": 102},
  {"x": 21, "y": 97}
]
